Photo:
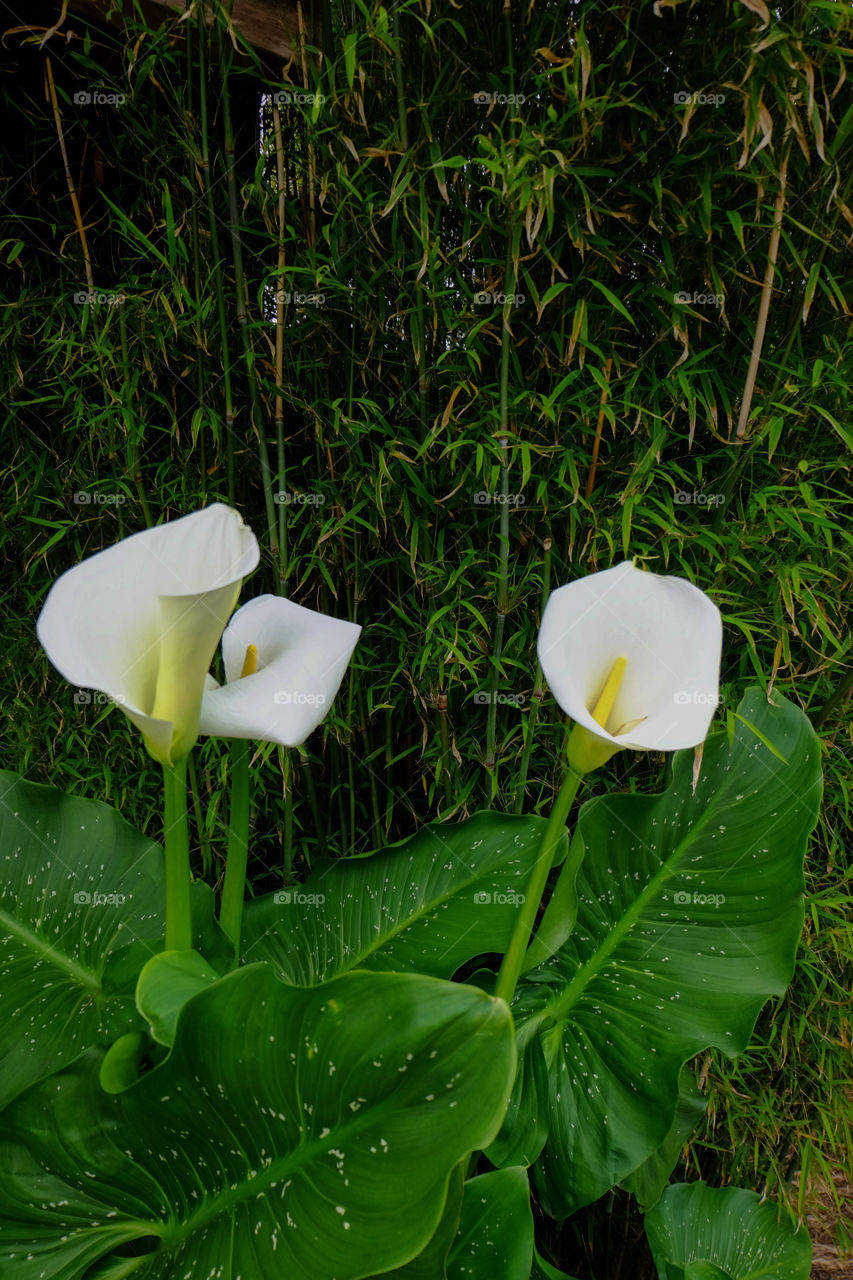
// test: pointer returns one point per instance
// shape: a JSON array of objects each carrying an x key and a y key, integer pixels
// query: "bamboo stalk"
[
  {"x": 133, "y": 467},
  {"x": 764, "y": 304},
  {"x": 538, "y": 687},
  {"x": 590, "y": 479},
  {"x": 212, "y": 224},
  {"x": 196, "y": 251},
  {"x": 281, "y": 477},
  {"x": 312, "y": 207},
  {"x": 503, "y": 539},
  {"x": 240, "y": 299},
  {"x": 69, "y": 180}
]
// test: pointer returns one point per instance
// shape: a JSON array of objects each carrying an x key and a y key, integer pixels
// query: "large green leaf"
[
  {"x": 648, "y": 1182},
  {"x": 427, "y": 905},
  {"x": 81, "y": 909},
  {"x": 543, "y": 1270},
  {"x": 431, "y": 1263},
  {"x": 705, "y": 1233},
  {"x": 495, "y": 1236},
  {"x": 302, "y": 1132},
  {"x": 690, "y": 908}
]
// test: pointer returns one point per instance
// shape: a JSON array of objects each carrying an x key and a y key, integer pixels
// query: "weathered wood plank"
[{"x": 270, "y": 26}]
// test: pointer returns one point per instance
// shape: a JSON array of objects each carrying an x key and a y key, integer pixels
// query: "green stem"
[
  {"x": 513, "y": 962},
  {"x": 287, "y": 773},
  {"x": 215, "y": 270},
  {"x": 179, "y": 930},
  {"x": 199, "y": 822},
  {"x": 234, "y": 885},
  {"x": 307, "y": 776},
  {"x": 225, "y": 55},
  {"x": 538, "y": 688}
]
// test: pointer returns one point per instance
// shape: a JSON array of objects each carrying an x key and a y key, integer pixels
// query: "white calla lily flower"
[
  {"x": 286, "y": 688},
  {"x": 634, "y": 658},
  {"x": 141, "y": 620}
]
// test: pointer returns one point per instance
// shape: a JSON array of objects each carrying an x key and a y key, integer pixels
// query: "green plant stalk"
[
  {"x": 399, "y": 80},
  {"x": 310, "y": 787},
  {"x": 215, "y": 273},
  {"x": 179, "y": 931},
  {"x": 240, "y": 293},
  {"x": 134, "y": 466},
  {"x": 281, "y": 478},
  {"x": 286, "y": 764},
  {"x": 538, "y": 687},
  {"x": 234, "y": 884},
  {"x": 196, "y": 249},
  {"x": 446, "y": 757},
  {"x": 513, "y": 961},
  {"x": 206, "y": 860},
  {"x": 503, "y": 562}
]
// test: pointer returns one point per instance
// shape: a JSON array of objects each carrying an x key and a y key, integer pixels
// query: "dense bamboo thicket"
[{"x": 466, "y": 300}]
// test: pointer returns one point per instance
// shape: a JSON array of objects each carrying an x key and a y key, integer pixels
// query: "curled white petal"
[
  {"x": 140, "y": 621},
  {"x": 302, "y": 657},
  {"x": 669, "y": 631}
]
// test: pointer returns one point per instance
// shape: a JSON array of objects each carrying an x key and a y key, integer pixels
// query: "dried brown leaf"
[{"x": 759, "y": 7}]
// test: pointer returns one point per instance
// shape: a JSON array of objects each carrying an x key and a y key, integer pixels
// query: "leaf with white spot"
[
  {"x": 427, "y": 905},
  {"x": 240, "y": 1156},
  {"x": 495, "y": 1236},
  {"x": 705, "y": 1233},
  {"x": 690, "y": 910},
  {"x": 81, "y": 910}
]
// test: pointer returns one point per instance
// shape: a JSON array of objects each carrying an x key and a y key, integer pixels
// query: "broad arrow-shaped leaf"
[
  {"x": 301, "y": 1132},
  {"x": 495, "y": 1236},
  {"x": 428, "y": 905},
  {"x": 703, "y": 1233},
  {"x": 690, "y": 909},
  {"x": 78, "y": 887}
]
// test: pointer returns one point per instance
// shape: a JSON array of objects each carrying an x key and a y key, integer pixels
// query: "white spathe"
[
  {"x": 141, "y": 620},
  {"x": 301, "y": 659},
  {"x": 669, "y": 631}
]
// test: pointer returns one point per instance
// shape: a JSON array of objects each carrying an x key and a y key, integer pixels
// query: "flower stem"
[
  {"x": 513, "y": 961},
  {"x": 234, "y": 885},
  {"x": 179, "y": 930}
]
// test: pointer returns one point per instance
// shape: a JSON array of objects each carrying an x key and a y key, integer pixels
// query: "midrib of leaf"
[
  {"x": 382, "y": 939},
  {"x": 560, "y": 1005},
  {"x": 269, "y": 1177},
  {"x": 84, "y": 976}
]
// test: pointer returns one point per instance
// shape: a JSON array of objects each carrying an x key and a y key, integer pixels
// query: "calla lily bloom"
[
  {"x": 634, "y": 658},
  {"x": 285, "y": 688},
  {"x": 141, "y": 620}
]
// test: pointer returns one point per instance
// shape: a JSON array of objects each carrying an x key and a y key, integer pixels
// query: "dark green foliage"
[{"x": 583, "y": 187}]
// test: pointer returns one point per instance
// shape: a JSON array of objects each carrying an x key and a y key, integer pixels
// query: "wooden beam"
[{"x": 270, "y": 26}]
